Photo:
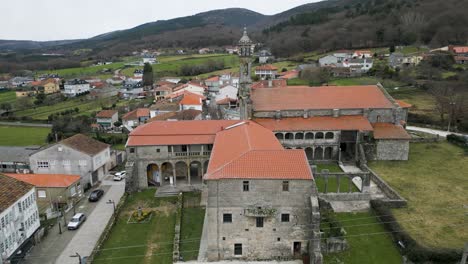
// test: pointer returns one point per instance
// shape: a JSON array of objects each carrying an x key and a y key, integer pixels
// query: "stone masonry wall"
[{"x": 392, "y": 150}]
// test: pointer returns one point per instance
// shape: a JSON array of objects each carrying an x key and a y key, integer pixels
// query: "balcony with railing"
[
  {"x": 190, "y": 154},
  {"x": 259, "y": 212}
]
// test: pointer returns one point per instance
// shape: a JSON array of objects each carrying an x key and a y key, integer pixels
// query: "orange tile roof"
[
  {"x": 161, "y": 133},
  {"x": 213, "y": 79},
  {"x": 317, "y": 123},
  {"x": 36, "y": 83},
  {"x": 403, "y": 104},
  {"x": 322, "y": 97},
  {"x": 226, "y": 101},
  {"x": 267, "y": 67},
  {"x": 390, "y": 131},
  {"x": 189, "y": 114},
  {"x": 137, "y": 113},
  {"x": 47, "y": 180},
  {"x": 191, "y": 99},
  {"x": 247, "y": 150},
  {"x": 106, "y": 114},
  {"x": 461, "y": 49},
  {"x": 289, "y": 75}
]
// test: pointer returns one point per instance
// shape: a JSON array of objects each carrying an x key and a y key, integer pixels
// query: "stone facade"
[
  {"x": 232, "y": 215},
  {"x": 392, "y": 149}
]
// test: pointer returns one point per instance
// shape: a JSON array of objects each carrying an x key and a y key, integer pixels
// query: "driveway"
[
  {"x": 57, "y": 248},
  {"x": 440, "y": 133}
]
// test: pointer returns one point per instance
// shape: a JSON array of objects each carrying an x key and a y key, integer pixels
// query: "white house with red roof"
[
  {"x": 192, "y": 87},
  {"x": 267, "y": 71},
  {"x": 362, "y": 54},
  {"x": 136, "y": 117},
  {"x": 191, "y": 101},
  {"x": 107, "y": 118}
]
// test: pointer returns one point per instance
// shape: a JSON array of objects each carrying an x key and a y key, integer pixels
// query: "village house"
[
  {"x": 136, "y": 117},
  {"x": 20, "y": 81},
  {"x": 227, "y": 93},
  {"x": 16, "y": 159},
  {"x": 360, "y": 65},
  {"x": 328, "y": 61},
  {"x": 149, "y": 58},
  {"x": 77, "y": 155},
  {"x": 288, "y": 75},
  {"x": 192, "y": 87},
  {"x": 191, "y": 101},
  {"x": 19, "y": 217},
  {"x": 265, "y": 56},
  {"x": 76, "y": 87},
  {"x": 399, "y": 60},
  {"x": 165, "y": 106},
  {"x": 50, "y": 86},
  {"x": 204, "y": 51},
  {"x": 190, "y": 114},
  {"x": 160, "y": 92},
  {"x": 28, "y": 91},
  {"x": 257, "y": 212},
  {"x": 231, "y": 49},
  {"x": 266, "y": 72},
  {"x": 342, "y": 55},
  {"x": 54, "y": 192},
  {"x": 107, "y": 118},
  {"x": 213, "y": 84},
  {"x": 362, "y": 54},
  {"x": 138, "y": 73}
]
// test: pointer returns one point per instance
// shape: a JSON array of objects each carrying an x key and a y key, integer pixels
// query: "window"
[
  {"x": 66, "y": 163},
  {"x": 227, "y": 218},
  {"x": 19, "y": 207},
  {"x": 158, "y": 150},
  {"x": 246, "y": 186},
  {"x": 238, "y": 249},
  {"x": 43, "y": 164},
  {"x": 284, "y": 218},
  {"x": 83, "y": 162},
  {"x": 41, "y": 194},
  {"x": 73, "y": 191},
  {"x": 132, "y": 150},
  {"x": 260, "y": 221},
  {"x": 285, "y": 186},
  {"x": 278, "y": 239}
]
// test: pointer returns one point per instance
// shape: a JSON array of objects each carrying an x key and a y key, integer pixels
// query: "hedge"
[{"x": 412, "y": 249}]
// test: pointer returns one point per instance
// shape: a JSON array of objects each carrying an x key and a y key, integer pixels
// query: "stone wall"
[
  {"x": 374, "y": 115},
  {"x": 275, "y": 239},
  {"x": 393, "y": 198},
  {"x": 392, "y": 150}
]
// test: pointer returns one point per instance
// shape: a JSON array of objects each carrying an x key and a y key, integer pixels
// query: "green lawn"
[
  {"x": 423, "y": 102},
  {"x": 142, "y": 243},
  {"x": 332, "y": 182},
  {"x": 23, "y": 136},
  {"x": 333, "y": 167},
  {"x": 7, "y": 97},
  {"x": 298, "y": 82},
  {"x": 192, "y": 226},
  {"x": 434, "y": 181},
  {"x": 364, "y": 249}
]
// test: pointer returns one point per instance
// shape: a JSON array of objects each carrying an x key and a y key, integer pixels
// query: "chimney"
[
  {"x": 270, "y": 83},
  {"x": 336, "y": 112},
  {"x": 306, "y": 113}
]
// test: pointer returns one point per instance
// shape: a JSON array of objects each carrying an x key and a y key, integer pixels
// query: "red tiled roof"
[
  {"x": 390, "y": 131},
  {"x": 289, "y": 75},
  {"x": 161, "y": 133},
  {"x": 137, "y": 113},
  {"x": 191, "y": 99},
  {"x": 11, "y": 190},
  {"x": 226, "y": 101},
  {"x": 317, "y": 123},
  {"x": 47, "y": 180},
  {"x": 213, "y": 79},
  {"x": 322, "y": 97},
  {"x": 36, "y": 83},
  {"x": 460, "y": 49},
  {"x": 249, "y": 151},
  {"x": 403, "y": 104},
  {"x": 266, "y": 67},
  {"x": 187, "y": 84},
  {"x": 106, "y": 114},
  {"x": 189, "y": 114}
]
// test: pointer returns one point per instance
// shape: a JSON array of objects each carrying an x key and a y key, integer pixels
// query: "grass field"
[
  {"x": 332, "y": 182},
  {"x": 364, "y": 249},
  {"x": 192, "y": 226},
  {"x": 141, "y": 243},
  {"x": 23, "y": 136},
  {"x": 7, "y": 97},
  {"x": 434, "y": 181},
  {"x": 423, "y": 102}
]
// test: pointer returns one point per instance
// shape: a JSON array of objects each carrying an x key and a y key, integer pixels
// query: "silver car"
[{"x": 76, "y": 221}]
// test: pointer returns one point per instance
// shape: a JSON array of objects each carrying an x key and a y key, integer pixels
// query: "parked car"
[
  {"x": 96, "y": 195},
  {"x": 120, "y": 175},
  {"x": 76, "y": 221}
]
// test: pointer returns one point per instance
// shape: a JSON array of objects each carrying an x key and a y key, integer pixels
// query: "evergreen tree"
[{"x": 147, "y": 75}]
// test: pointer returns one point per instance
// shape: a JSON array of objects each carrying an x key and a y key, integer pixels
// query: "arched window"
[
  {"x": 309, "y": 136},
  {"x": 289, "y": 136},
  {"x": 329, "y": 135},
  {"x": 279, "y": 136},
  {"x": 318, "y": 153},
  {"x": 328, "y": 153},
  {"x": 319, "y": 135},
  {"x": 299, "y": 136},
  {"x": 309, "y": 153}
]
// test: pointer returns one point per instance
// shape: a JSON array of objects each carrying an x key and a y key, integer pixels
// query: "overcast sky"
[{"x": 72, "y": 19}]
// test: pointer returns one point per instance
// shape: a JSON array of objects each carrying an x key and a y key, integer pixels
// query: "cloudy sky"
[{"x": 71, "y": 19}]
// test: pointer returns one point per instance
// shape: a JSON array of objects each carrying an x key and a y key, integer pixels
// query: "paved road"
[
  {"x": 87, "y": 235},
  {"x": 24, "y": 124},
  {"x": 57, "y": 248},
  {"x": 431, "y": 131}
]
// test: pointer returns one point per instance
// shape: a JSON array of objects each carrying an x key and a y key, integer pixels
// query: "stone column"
[
  {"x": 174, "y": 174},
  {"x": 188, "y": 173}
]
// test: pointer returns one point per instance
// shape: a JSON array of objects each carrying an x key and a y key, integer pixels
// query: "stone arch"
[
  {"x": 279, "y": 136},
  {"x": 309, "y": 153},
  {"x": 299, "y": 135},
  {"x": 329, "y": 135},
  {"x": 309, "y": 135},
  {"x": 289, "y": 136},
  {"x": 205, "y": 166},
  {"x": 195, "y": 171},
  {"x": 167, "y": 171},
  {"x": 181, "y": 171},
  {"x": 319, "y": 135},
  {"x": 328, "y": 153},
  {"x": 318, "y": 153},
  {"x": 153, "y": 175}
]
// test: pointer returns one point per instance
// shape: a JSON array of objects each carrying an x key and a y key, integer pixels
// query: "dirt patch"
[{"x": 151, "y": 248}]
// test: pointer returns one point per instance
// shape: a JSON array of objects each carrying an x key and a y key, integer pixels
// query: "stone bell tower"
[{"x": 246, "y": 49}]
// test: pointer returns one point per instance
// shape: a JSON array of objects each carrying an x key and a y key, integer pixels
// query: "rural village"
[{"x": 235, "y": 154}]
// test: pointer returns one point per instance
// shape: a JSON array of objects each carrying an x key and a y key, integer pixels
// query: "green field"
[
  {"x": 332, "y": 181},
  {"x": 434, "y": 181},
  {"x": 423, "y": 102},
  {"x": 7, "y": 97},
  {"x": 141, "y": 243},
  {"x": 363, "y": 247},
  {"x": 193, "y": 216},
  {"x": 23, "y": 136}
]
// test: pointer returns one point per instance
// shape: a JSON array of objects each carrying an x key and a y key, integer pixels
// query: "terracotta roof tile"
[
  {"x": 191, "y": 99},
  {"x": 289, "y": 75},
  {"x": 213, "y": 79},
  {"x": 106, "y": 114},
  {"x": 318, "y": 123},
  {"x": 323, "y": 97},
  {"x": 390, "y": 131},
  {"x": 460, "y": 49},
  {"x": 266, "y": 67},
  {"x": 189, "y": 114},
  {"x": 137, "y": 113},
  {"x": 47, "y": 180},
  {"x": 281, "y": 83},
  {"x": 85, "y": 144},
  {"x": 11, "y": 190},
  {"x": 249, "y": 151},
  {"x": 403, "y": 104}
]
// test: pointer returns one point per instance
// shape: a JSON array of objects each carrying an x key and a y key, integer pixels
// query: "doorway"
[{"x": 297, "y": 248}]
